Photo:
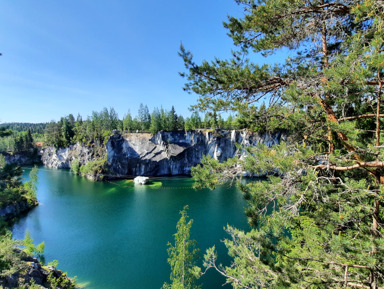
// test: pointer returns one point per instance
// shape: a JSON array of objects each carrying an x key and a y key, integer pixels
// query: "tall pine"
[
  {"x": 183, "y": 255},
  {"x": 317, "y": 222}
]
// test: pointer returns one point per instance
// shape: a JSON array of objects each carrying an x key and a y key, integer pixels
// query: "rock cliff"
[
  {"x": 175, "y": 153},
  {"x": 162, "y": 154},
  {"x": 62, "y": 158},
  {"x": 26, "y": 158}
]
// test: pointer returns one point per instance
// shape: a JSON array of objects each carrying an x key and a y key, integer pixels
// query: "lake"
[{"x": 113, "y": 235}]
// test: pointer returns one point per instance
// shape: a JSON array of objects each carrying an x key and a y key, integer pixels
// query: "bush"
[
  {"x": 75, "y": 166},
  {"x": 93, "y": 168}
]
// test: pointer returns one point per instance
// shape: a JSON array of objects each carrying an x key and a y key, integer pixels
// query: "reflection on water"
[{"x": 114, "y": 235}]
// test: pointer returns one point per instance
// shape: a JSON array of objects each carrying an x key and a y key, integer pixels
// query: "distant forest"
[{"x": 25, "y": 126}]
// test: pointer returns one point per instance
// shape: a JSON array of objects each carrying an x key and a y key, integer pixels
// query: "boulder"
[{"x": 141, "y": 180}]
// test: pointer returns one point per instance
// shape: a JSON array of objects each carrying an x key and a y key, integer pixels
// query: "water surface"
[{"x": 114, "y": 235}]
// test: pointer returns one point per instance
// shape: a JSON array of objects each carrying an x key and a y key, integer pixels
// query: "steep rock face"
[
  {"x": 162, "y": 154},
  {"x": 175, "y": 153},
  {"x": 62, "y": 158}
]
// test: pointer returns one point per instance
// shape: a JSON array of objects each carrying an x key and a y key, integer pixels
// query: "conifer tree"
[
  {"x": 182, "y": 256},
  {"x": 128, "y": 123},
  {"x": 155, "y": 121},
  {"x": 318, "y": 222},
  {"x": 172, "y": 119}
]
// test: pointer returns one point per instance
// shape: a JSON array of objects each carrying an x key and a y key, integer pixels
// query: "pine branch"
[
  {"x": 374, "y": 164},
  {"x": 359, "y": 116}
]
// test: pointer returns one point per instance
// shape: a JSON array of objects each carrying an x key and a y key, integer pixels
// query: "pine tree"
[
  {"x": 155, "y": 121},
  {"x": 128, "y": 123},
  {"x": 29, "y": 140},
  {"x": 164, "y": 120},
  {"x": 182, "y": 256},
  {"x": 172, "y": 119},
  {"x": 144, "y": 118},
  {"x": 196, "y": 120},
  {"x": 317, "y": 223}
]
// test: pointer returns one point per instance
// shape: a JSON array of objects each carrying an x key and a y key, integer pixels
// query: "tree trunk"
[{"x": 378, "y": 111}]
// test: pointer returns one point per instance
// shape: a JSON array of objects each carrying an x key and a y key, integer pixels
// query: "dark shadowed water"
[{"x": 114, "y": 235}]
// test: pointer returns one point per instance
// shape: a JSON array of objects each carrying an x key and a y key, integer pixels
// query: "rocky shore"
[{"x": 33, "y": 272}]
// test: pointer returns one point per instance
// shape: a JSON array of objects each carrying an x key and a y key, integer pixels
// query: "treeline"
[
  {"x": 13, "y": 141},
  {"x": 98, "y": 127},
  {"x": 35, "y": 128}
]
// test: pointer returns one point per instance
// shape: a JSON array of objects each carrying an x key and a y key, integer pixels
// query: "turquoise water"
[{"x": 113, "y": 235}]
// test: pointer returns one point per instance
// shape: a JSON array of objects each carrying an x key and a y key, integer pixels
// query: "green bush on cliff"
[
  {"x": 75, "y": 166},
  {"x": 93, "y": 168}
]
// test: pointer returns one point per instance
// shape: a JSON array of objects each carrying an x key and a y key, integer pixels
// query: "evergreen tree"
[
  {"x": 144, "y": 117},
  {"x": 19, "y": 143},
  {"x": 182, "y": 256},
  {"x": 29, "y": 139},
  {"x": 66, "y": 131},
  {"x": 188, "y": 124},
  {"x": 180, "y": 122},
  {"x": 155, "y": 121},
  {"x": 172, "y": 119},
  {"x": 196, "y": 121},
  {"x": 4, "y": 131},
  {"x": 147, "y": 118},
  {"x": 52, "y": 134},
  {"x": 317, "y": 223},
  {"x": 79, "y": 118},
  {"x": 128, "y": 123},
  {"x": 71, "y": 120},
  {"x": 228, "y": 124},
  {"x": 207, "y": 121},
  {"x": 164, "y": 120}
]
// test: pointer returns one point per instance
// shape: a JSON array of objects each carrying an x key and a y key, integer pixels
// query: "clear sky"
[{"x": 78, "y": 56}]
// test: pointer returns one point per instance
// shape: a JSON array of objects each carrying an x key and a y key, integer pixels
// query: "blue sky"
[{"x": 62, "y": 57}]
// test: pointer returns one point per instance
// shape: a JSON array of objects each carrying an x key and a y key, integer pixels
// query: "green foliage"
[
  {"x": 30, "y": 185},
  {"x": 128, "y": 124},
  {"x": 317, "y": 219},
  {"x": 93, "y": 168},
  {"x": 61, "y": 282},
  {"x": 182, "y": 256},
  {"x": 75, "y": 166},
  {"x": 12, "y": 191},
  {"x": 31, "y": 249},
  {"x": 9, "y": 258},
  {"x": 53, "y": 263},
  {"x": 98, "y": 127},
  {"x": 34, "y": 128}
]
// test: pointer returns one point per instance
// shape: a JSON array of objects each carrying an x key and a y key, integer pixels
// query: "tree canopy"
[{"x": 317, "y": 220}]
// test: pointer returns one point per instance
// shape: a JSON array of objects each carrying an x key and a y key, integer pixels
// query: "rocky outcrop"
[
  {"x": 175, "y": 153},
  {"x": 34, "y": 273},
  {"x": 62, "y": 158},
  {"x": 162, "y": 154},
  {"x": 141, "y": 180},
  {"x": 26, "y": 158},
  {"x": 16, "y": 209}
]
